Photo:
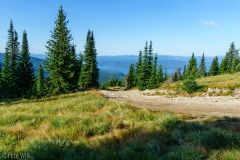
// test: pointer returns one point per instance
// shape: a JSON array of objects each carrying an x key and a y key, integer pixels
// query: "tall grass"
[{"x": 85, "y": 125}]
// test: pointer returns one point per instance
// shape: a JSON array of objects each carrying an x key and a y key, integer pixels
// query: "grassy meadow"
[
  {"x": 86, "y": 125},
  {"x": 221, "y": 81}
]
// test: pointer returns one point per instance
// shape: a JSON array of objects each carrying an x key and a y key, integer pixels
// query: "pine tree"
[
  {"x": 184, "y": 74},
  {"x": 143, "y": 73},
  {"x": 224, "y": 66},
  {"x": 153, "y": 79},
  {"x": 230, "y": 56},
  {"x": 13, "y": 47},
  {"x": 150, "y": 57},
  {"x": 192, "y": 68},
  {"x": 40, "y": 82},
  {"x": 25, "y": 68},
  {"x": 12, "y": 51},
  {"x": 175, "y": 76},
  {"x": 139, "y": 63},
  {"x": 7, "y": 78},
  {"x": 202, "y": 67},
  {"x": 235, "y": 62},
  {"x": 214, "y": 69},
  {"x": 130, "y": 77},
  {"x": 160, "y": 77},
  {"x": 89, "y": 73},
  {"x": 166, "y": 76},
  {"x": 9, "y": 72},
  {"x": 80, "y": 65},
  {"x": 61, "y": 61},
  {"x": 95, "y": 70}
]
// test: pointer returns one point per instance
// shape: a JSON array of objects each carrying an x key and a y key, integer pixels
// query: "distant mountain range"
[{"x": 118, "y": 66}]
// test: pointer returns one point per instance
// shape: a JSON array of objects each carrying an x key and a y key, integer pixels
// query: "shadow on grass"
[
  {"x": 11, "y": 102},
  {"x": 176, "y": 140}
]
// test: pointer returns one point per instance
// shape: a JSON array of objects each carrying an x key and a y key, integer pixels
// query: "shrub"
[{"x": 190, "y": 86}]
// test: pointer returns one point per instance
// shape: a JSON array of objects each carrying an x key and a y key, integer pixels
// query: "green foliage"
[
  {"x": 130, "y": 77},
  {"x": 9, "y": 76},
  {"x": 190, "y": 86},
  {"x": 89, "y": 72},
  {"x": 87, "y": 125},
  {"x": 202, "y": 67},
  {"x": 138, "y": 65},
  {"x": 228, "y": 65},
  {"x": 184, "y": 153},
  {"x": 25, "y": 69},
  {"x": 48, "y": 148},
  {"x": 214, "y": 68},
  {"x": 61, "y": 61},
  {"x": 235, "y": 63},
  {"x": 160, "y": 75},
  {"x": 40, "y": 83},
  {"x": 153, "y": 78},
  {"x": 8, "y": 81},
  {"x": 224, "y": 66},
  {"x": 192, "y": 70}
]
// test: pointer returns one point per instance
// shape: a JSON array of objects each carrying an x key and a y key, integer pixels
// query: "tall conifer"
[
  {"x": 7, "y": 78},
  {"x": 202, "y": 67},
  {"x": 130, "y": 78},
  {"x": 61, "y": 61},
  {"x": 25, "y": 68},
  {"x": 160, "y": 77},
  {"x": 153, "y": 78},
  {"x": 89, "y": 72},
  {"x": 214, "y": 69}
]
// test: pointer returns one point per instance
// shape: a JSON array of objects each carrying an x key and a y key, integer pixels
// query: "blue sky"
[{"x": 176, "y": 27}]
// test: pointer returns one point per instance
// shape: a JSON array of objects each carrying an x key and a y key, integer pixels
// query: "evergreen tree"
[
  {"x": 214, "y": 69},
  {"x": 89, "y": 73},
  {"x": 130, "y": 77},
  {"x": 202, "y": 67},
  {"x": 224, "y": 66},
  {"x": 7, "y": 78},
  {"x": 139, "y": 63},
  {"x": 192, "y": 68},
  {"x": 153, "y": 79},
  {"x": 80, "y": 65},
  {"x": 12, "y": 51},
  {"x": 230, "y": 56},
  {"x": 13, "y": 47},
  {"x": 143, "y": 73},
  {"x": 95, "y": 70},
  {"x": 40, "y": 82},
  {"x": 25, "y": 68},
  {"x": 160, "y": 77},
  {"x": 175, "y": 76},
  {"x": 142, "y": 77},
  {"x": 150, "y": 57},
  {"x": 184, "y": 74},
  {"x": 165, "y": 74},
  {"x": 61, "y": 61},
  {"x": 235, "y": 62}
]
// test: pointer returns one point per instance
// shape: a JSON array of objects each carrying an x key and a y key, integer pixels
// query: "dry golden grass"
[
  {"x": 89, "y": 126},
  {"x": 221, "y": 81}
]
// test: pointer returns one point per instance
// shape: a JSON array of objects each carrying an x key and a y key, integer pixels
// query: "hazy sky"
[{"x": 176, "y": 27}]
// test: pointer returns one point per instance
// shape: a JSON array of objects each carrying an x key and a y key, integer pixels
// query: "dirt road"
[{"x": 207, "y": 106}]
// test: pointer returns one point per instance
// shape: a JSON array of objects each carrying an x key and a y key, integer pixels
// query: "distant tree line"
[
  {"x": 146, "y": 75},
  {"x": 67, "y": 71}
]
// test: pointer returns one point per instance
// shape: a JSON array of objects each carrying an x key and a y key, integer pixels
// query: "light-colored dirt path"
[{"x": 207, "y": 106}]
